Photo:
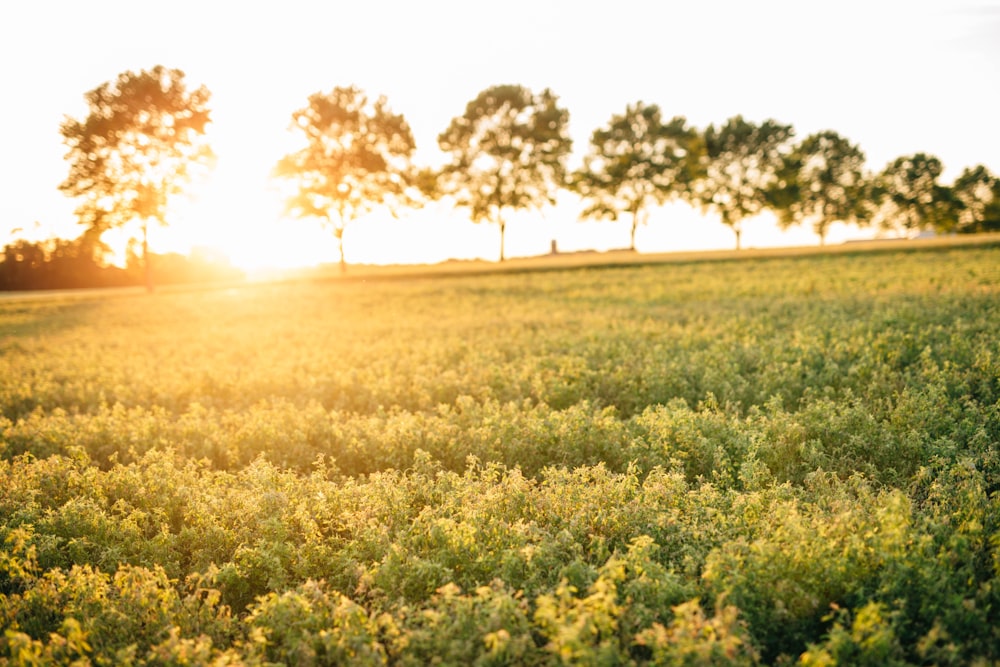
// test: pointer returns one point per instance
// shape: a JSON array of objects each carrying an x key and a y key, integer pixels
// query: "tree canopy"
[
  {"x": 743, "y": 165},
  {"x": 144, "y": 137},
  {"x": 141, "y": 139},
  {"x": 906, "y": 195},
  {"x": 508, "y": 151},
  {"x": 357, "y": 155},
  {"x": 824, "y": 180},
  {"x": 976, "y": 195},
  {"x": 635, "y": 162}
]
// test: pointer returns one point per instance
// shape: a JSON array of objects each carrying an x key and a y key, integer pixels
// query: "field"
[{"x": 772, "y": 459}]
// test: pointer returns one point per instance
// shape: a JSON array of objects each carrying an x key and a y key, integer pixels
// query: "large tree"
[
  {"x": 823, "y": 183},
  {"x": 508, "y": 151},
  {"x": 142, "y": 137},
  {"x": 976, "y": 194},
  {"x": 906, "y": 195},
  {"x": 357, "y": 155},
  {"x": 634, "y": 163},
  {"x": 743, "y": 165}
]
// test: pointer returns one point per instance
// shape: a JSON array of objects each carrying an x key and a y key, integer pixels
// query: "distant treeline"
[
  {"x": 144, "y": 137},
  {"x": 79, "y": 263}
]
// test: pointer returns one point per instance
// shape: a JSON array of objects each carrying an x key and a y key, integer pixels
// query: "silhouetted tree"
[
  {"x": 57, "y": 264},
  {"x": 357, "y": 155},
  {"x": 508, "y": 151},
  {"x": 823, "y": 183},
  {"x": 743, "y": 166},
  {"x": 636, "y": 162},
  {"x": 976, "y": 193},
  {"x": 906, "y": 195},
  {"x": 21, "y": 261},
  {"x": 137, "y": 146}
]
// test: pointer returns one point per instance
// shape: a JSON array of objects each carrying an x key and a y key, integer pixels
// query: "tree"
[
  {"x": 743, "y": 165},
  {"x": 634, "y": 163},
  {"x": 57, "y": 263},
  {"x": 508, "y": 150},
  {"x": 976, "y": 193},
  {"x": 824, "y": 182},
  {"x": 906, "y": 195},
  {"x": 142, "y": 138},
  {"x": 356, "y": 156}
]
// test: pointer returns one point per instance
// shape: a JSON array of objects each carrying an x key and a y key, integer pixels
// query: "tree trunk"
[
  {"x": 738, "y": 232},
  {"x": 637, "y": 219},
  {"x": 503, "y": 228},
  {"x": 146, "y": 261},
  {"x": 339, "y": 233}
]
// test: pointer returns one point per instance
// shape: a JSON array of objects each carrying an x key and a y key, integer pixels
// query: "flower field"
[{"x": 769, "y": 460}]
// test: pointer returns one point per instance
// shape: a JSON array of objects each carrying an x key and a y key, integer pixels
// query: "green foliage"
[
  {"x": 313, "y": 626},
  {"x": 356, "y": 155},
  {"x": 744, "y": 163},
  {"x": 488, "y": 626},
  {"x": 906, "y": 195},
  {"x": 135, "y": 616},
  {"x": 798, "y": 559},
  {"x": 508, "y": 151},
  {"x": 636, "y": 162},
  {"x": 693, "y": 639},
  {"x": 825, "y": 183},
  {"x": 750, "y": 462},
  {"x": 143, "y": 136},
  {"x": 976, "y": 194},
  {"x": 869, "y": 640}
]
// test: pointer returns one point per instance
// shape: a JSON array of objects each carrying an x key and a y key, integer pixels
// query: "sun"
[
  {"x": 236, "y": 209},
  {"x": 239, "y": 213},
  {"x": 246, "y": 227}
]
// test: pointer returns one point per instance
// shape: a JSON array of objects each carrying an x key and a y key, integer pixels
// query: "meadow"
[{"x": 771, "y": 459}]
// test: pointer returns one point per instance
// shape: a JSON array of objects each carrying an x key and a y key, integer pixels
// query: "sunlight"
[
  {"x": 433, "y": 234},
  {"x": 243, "y": 221},
  {"x": 237, "y": 212},
  {"x": 237, "y": 209}
]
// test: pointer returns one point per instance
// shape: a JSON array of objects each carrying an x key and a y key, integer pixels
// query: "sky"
[{"x": 894, "y": 76}]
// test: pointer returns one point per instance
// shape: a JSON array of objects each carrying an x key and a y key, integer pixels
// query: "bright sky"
[{"x": 894, "y": 76}]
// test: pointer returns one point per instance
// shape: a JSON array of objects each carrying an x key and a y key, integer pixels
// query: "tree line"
[
  {"x": 58, "y": 263},
  {"x": 144, "y": 138}
]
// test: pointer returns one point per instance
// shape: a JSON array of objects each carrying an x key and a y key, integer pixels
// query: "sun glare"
[
  {"x": 238, "y": 213},
  {"x": 244, "y": 223}
]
